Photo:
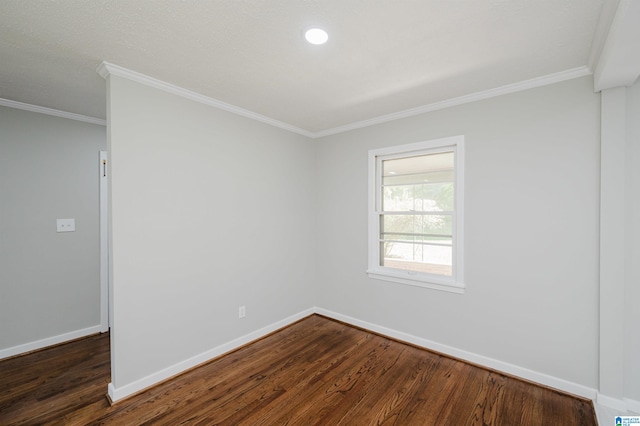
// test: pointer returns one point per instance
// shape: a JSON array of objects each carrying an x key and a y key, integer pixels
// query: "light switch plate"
[{"x": 65, "y": 225}]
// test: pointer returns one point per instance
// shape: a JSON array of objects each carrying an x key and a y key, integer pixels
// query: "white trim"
[
  {"x": 619, "y": 61},
  {"x": 49, "y": 341},
  {"x": 607, "y": 401},
  {"x": 624, "y": 404},
  {"x": 118, "y": 393},
  {"x": 613, "y": 198},
  {"x": 606, "y": 414},
  {"x": 401, "y": 278},
  {"x": 486, "y": 94},
  {"x": 50, "y": 111},
  {"x": 632, "y": 405},
  {"x": 605, "y": 20},
  {"x": 455, "y": 283},
  {"x": 104, "y": 241},
  {"x": 534, "y": 376},
  {"x": 106, "y": 68}
]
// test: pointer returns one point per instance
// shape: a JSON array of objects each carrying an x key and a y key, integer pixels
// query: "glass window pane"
[
  {"x": 407, "y": 166},
  {"x": 417, "y": 257},
  {"x": 424, "y": 239},
  {"x": 424, "y": 197},
  {"x": 417, "y": 206},
  {"x": 428, "y": 177},
  {"x": 428, "y": 224},
  {"x": 420, "y": 183}
]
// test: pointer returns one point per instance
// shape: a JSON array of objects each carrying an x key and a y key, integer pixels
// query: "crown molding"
[
  {"x": 605, "y": 20},
  {"x": 491, "y": 93},
  {"x": 619, "y": 60},
  {"x": 105, "y": 69},
  {"x": 50, "y": 111}
]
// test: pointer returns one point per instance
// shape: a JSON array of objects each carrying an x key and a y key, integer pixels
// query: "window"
[{"x": 415, "y": 214}]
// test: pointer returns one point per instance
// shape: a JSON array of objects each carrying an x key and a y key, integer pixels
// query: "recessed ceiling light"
[{"x": 316, "y": 36}]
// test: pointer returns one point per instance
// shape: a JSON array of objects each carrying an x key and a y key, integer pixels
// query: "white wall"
[
  {"x": 49, "y": 282},
  {"x": 632, "y": 242},
  {"x": 210, "y": 211},
  {"x": 531, "y": 220}
]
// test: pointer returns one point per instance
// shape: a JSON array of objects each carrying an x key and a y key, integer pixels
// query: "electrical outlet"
[
  {"x": 242, "y": 312},
  {"x": 65, "y": 225}
]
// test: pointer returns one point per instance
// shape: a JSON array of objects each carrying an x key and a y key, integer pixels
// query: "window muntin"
[{"x": 415, "y": 225}]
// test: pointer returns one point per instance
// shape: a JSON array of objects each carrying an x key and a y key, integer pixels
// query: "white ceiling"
[{"x": 383, "y": 56}]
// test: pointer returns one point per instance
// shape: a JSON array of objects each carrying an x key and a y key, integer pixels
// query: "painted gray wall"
[
  {"x": 209, "y": 211},
  {"x": 49, "y": 282},
  {"x": 531, "y": 220},
  {"x": 632, "y": 248},
  {"x": 183, "y": 169}
]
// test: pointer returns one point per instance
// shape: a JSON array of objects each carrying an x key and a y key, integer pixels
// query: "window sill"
[{"x": 406, "y": 278}]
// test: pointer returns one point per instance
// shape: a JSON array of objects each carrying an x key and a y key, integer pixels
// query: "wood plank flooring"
[{"x": 314, "y": 372}]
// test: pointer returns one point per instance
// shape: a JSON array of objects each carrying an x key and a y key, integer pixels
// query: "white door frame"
[{"x": 105, "y": 320}]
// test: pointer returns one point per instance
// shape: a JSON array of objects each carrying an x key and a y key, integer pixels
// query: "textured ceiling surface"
[{"x": 383, "y": 56}]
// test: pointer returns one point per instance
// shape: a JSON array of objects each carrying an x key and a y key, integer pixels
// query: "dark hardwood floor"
[{"x": 314, "y": 372}]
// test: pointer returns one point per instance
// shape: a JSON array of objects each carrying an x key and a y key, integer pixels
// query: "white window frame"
[{"x": 455, "y": 283}]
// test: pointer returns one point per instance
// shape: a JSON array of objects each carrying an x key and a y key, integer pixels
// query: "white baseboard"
[
  {"x": 49, "y": 341},
  {"x": 607, "y": 401},
  {"x": 632, "y": 405},
  {"x": 118, "y": 393},
  {"x": 534, "y": 376},
  {"x": 615, "y": 407}
]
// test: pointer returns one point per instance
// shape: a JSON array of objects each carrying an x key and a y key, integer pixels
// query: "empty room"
[{"x": 340, "y": 212}]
